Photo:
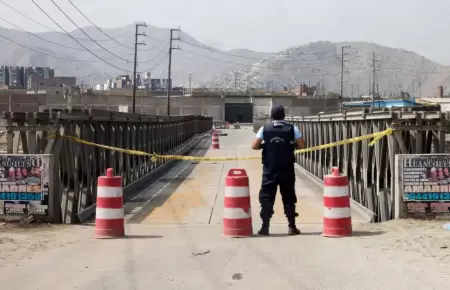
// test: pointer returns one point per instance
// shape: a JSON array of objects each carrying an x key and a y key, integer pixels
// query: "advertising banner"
[
  {"x": 24, "y": 183},
  {"x": 425, "y": 184}
]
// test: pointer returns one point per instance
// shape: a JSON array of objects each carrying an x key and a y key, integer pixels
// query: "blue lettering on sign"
[
  {"x": 21, "y": 196},
  {"x": 429, "y": 196}
]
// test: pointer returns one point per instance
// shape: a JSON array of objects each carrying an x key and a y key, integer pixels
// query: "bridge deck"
[
  {"x": 193, "y": 193},
  {"x": 174, "y": 242}
]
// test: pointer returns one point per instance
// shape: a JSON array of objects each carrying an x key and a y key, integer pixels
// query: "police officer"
[{"x": 280, "y": 141}]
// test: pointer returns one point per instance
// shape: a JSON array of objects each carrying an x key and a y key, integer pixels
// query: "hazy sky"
[{"x": 269, "y": 25}]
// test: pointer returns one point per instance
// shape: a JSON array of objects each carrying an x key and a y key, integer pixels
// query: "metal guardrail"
[
  {"x": 371, "y": 170},
  {"x": 77, "y": 166}
]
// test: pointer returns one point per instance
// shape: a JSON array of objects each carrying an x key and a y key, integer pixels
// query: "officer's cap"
[{"x": 277, "y": 112}]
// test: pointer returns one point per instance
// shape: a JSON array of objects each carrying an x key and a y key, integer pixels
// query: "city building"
[
  {"x": 138, "y": 80},
  {"x": 4, "y": 77},
  {"x": 37, "y": 83},
  {"x": 143, "y": 82},
  {"x": 159, "y": 84},
  {"x": 123, "y": 82},
  {"x": 305, "y": 90},
  {"x": 17, "y": 77},
  {"x": 44, "y": 72}
]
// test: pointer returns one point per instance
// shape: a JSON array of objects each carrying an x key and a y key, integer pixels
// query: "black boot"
[
  {"x": 264, "y": 231},
  {"x": 293, "y": 231}
]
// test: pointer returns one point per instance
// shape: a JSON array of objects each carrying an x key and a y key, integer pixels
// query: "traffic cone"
[
  {"x": 337, "y": 219},
  {"x": 215, "y": 140},
  {"x": 237, "y": 219},
  {"x": 109, "y": 213}
]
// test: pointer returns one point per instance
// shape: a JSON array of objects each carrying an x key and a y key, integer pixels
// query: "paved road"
[{"x": 174, "y": 242}]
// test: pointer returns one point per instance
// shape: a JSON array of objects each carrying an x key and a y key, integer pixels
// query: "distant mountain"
[
  {"x": 318, "y": 62},
  {"x": 193, "y": 57}
]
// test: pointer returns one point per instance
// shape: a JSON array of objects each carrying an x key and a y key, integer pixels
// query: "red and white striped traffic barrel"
[
  {"x": 337, "y": 219},
  {"x": 215, "y": 140},
  {"x": 237, "y": 218},
  {"x": 109, "y": 214}
]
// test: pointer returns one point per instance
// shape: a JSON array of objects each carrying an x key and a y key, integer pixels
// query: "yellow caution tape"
[{"x": 375, "y": 136}]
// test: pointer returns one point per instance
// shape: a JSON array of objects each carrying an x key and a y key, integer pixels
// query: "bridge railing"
[
  {"x": 76, "y": 166},
  {"x": 371, "y": 169}
]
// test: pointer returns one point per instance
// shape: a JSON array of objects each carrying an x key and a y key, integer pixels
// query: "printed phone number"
[
  {"x": 20, "y": 196},
  {"x": 426, "y": 196}
]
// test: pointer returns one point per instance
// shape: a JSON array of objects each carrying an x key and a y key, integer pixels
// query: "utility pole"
[
  {"x": 373, "y": 79},
  {"x": 374, "y": 69},
  {"x": 235, "y": 81},
  {"x": 343, "y": 54},
  {"x": 419, "y": 80},
  {"x": 352, "y": 93},
  {"x": 190, "y": 84},
  {"x": 420, "y": 88},
  {"x": 378, "y": 93},
  {"x": 136, "y": 43},
  {"x": 421, "y": 77},
  {"x": 169, "y": 81}
]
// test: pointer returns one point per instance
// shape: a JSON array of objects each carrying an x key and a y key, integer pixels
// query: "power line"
[
  {"x": 98, "y": 28},
  {"x": 84, "y": 32},
  {"x": 158, "y": 64},
  {"x": 69, "y": 59},
  {"x": 158, "y": 55},
  {"x": 241, "y": 56},
  {"x": 221, "y": 60},
  {"x": 54, "y": 21},
  {"x": 222, "y": 52},
  {"x": 52, "y": 29},
  {"x": 75, "y": 48},
  {"x": 102, "y": 32},
  {"x": 222, "y": 44},
  {"x": 44, "y": 53},
  {"x": 155, "y": 39},
  {"x": 44, "y": 39},
  {"x": 229, "y": 62}
]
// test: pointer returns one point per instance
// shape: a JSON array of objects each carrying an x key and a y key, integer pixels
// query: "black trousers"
[{"x": 285, "y": 179}]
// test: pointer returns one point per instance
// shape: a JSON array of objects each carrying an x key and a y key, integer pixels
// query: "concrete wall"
[{"x": 211, "y": 106}]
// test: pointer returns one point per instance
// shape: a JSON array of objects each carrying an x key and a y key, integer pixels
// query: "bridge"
[{"x": 174, "y": 208}]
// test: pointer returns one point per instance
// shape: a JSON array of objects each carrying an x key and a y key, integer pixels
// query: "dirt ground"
[
  {"x": 378, "y": 256},
  {"x": 428, "y": 238},
  {"x": 18, "y": 242}
]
